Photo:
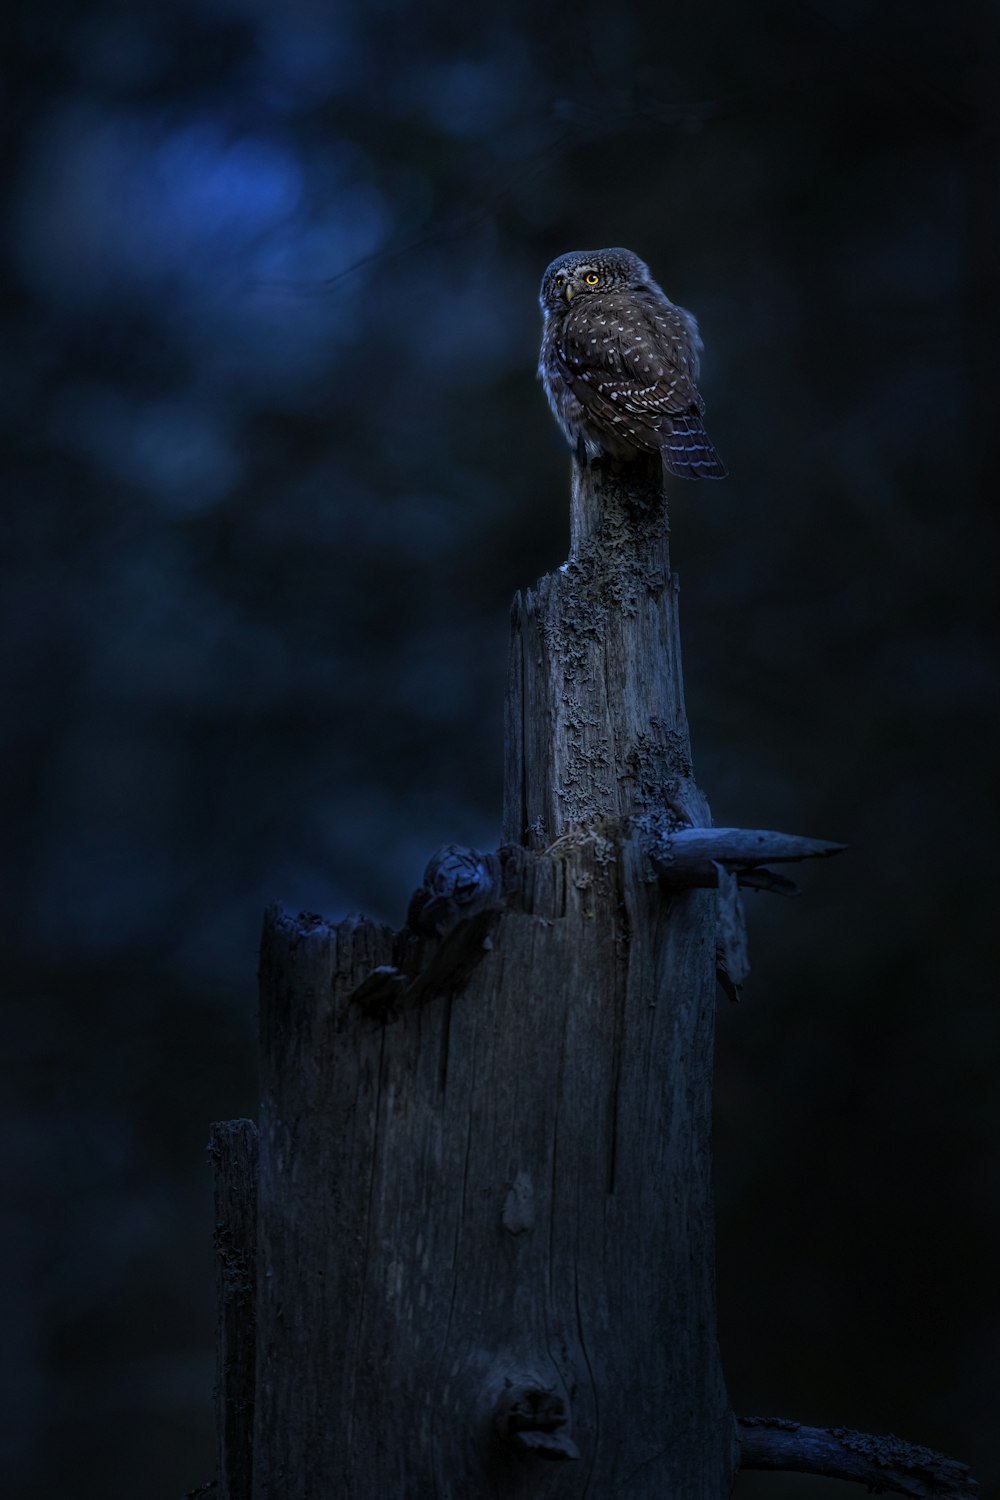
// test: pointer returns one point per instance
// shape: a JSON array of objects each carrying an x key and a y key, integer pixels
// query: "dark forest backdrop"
[{"x": 278, "y": 461}]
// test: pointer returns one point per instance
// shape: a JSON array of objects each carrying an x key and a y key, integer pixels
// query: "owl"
[{"x": 619, "y": 363}]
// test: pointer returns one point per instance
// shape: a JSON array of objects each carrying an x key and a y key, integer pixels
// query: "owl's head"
[{"x": 583, "y": 272}]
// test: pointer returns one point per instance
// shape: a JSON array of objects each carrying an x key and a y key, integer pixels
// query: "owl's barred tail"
[{"x": 688, "y": 451}]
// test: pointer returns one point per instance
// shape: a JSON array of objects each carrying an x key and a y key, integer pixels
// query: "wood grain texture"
[
  {"x": 596, "y": 727},
  {"x": 486, "y": 1240},
  {"x": 512, "y": 1185}
]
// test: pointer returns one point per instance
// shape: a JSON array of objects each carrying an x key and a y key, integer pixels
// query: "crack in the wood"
[
  {"x": 590, "y": 1372},
  {"x": 445, "y": 1043},
  {"x": 460, "y": 1219},
  {"x": 552, "y": 1195},
  {"x": 617, "y": 1044}
]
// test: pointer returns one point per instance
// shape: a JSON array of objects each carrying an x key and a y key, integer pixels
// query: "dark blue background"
[{"x": 276, "y": 463}]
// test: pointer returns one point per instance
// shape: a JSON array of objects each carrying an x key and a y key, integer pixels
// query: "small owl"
[{"x": 619, "y": 363}]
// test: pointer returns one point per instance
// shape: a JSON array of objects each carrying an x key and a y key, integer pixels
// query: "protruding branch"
[
  {"x": 691, "y": 856},
  {"x": 447, "y": 932},
  {"x": 884, "y": 1464},
  {"x": 458, "y": 883}
]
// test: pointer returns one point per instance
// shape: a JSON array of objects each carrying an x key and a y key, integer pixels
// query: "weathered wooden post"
[{"x": 485, "y": 1233}]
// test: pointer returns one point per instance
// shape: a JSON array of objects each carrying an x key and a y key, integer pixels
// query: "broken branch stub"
[{"x": 692, "y": 856}]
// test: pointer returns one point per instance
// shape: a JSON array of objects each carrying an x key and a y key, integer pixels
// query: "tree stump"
[{"x": 485, "y": 1238}]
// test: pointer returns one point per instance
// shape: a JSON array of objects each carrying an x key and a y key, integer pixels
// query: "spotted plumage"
[{"x": 619, "y": 363}]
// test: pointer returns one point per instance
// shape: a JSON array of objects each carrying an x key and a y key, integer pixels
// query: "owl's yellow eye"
[{"x": 592, "y": 280}]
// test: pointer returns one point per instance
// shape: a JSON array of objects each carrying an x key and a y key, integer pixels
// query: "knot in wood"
[
  {"x": 534, "y": 1419},
  {"x": 457, "y": 881},
  {"x": 456, "y": 872}
]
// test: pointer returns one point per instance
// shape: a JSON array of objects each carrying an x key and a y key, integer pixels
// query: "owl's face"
[{"x": 581, "y": 273}]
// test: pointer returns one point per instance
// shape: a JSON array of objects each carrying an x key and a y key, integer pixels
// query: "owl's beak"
[{"x": 569, "y": 291}]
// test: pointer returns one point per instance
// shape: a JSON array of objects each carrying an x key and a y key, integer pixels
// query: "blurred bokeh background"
[{"x": 276, "y": 463}]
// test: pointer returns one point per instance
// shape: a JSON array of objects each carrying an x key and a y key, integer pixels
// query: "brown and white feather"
[{"x": 619, "y": 362}]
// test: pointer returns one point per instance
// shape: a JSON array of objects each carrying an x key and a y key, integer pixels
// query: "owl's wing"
[{"x": 631, "y": 366}]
